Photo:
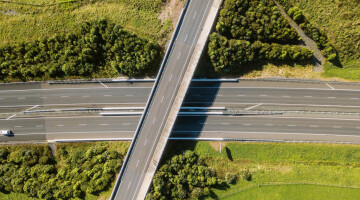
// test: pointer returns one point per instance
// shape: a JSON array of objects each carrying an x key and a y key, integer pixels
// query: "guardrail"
[{"x": 149, "y": 102}]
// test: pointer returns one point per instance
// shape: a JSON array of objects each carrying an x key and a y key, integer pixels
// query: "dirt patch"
[
  {"x": 172, "y": 10},
  {"x": 216, "y": 145}
]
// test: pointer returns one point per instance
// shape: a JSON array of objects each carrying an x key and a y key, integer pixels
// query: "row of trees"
[
  {"x": 318, "y": 35},
  {"x": 99, "y": 46},
  {"x": 34, "y": 173},
  {"x": 254, "y": 20},
  {"x": 183, "y": 176},
  {"x": 233, "y": 53}
]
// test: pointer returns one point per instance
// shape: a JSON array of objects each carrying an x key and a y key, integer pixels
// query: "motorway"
[
  {"x": 162, "y": 101},
  {"x": 242, "y": 92},
  {"x": 206, "y": 127}
]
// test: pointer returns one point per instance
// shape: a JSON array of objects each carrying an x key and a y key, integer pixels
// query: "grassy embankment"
[
  {"x": 61, "y": 162},
  {"x": 33, "y": 19},
  {"x": 282, "y": 170},
  {"x": 340, "y": 20}
]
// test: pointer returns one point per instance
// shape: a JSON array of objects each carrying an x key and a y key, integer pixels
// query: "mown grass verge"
[{"x": 315, "y": 167}]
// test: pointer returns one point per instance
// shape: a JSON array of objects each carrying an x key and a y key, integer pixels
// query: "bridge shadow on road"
[{"x": 199, "y": 94}]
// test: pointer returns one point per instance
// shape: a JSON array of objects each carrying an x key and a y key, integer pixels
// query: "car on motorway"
[{"x": 6, "y": 132}]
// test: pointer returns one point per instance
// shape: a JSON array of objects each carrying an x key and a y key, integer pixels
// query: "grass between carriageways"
[{"x": 335, "y": 165}]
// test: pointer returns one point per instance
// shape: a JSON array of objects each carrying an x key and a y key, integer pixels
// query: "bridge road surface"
[{"x": 163, "y": 99}]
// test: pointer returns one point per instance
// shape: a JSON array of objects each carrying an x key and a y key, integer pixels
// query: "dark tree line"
[
  {"x": 34, "y": 173},
  {"x": 233, "y": 53},
  {"x": 99, "y": 46},
  {"x": 252, "y": 30},
  {"x": 254, "y": 20},
  {"x": 183, "y": 176}
]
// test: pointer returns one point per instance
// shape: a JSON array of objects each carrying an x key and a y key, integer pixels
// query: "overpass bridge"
[{"x": 165, "y": 99}]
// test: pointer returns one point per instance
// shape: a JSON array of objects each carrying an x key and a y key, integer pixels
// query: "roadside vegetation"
[
  {"x": 79, "y": 170},
  {"x": 100, "y": 49},
  {"x": 250, "y": 31},
  {"x": 53, "y": 39},
  {"x": 340, "y": 20},
  {"x": 271, "y": 170}
]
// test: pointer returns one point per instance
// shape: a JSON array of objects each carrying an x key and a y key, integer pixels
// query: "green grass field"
[
  {"x": 280, "y": 163},
  {"x": 296, "y": 192},
  {"x": 28, "y": 21},
  {"x": 340, "y": 20}
]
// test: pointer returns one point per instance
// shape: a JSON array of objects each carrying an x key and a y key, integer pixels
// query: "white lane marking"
[
  {"x": 247, "y": 124},
  {"x": 129, "y": 95},
  {"x": 286, "y": 96},
  {"x": 291, "y": 125},
  {"x": 104, "y": 124},
  {"x": 137, "y": 163},
  {"x": 331, "y": 97},
  {"x": 42, "y": 97},
  {"x": 336, "y": 126},
  {"x": 263, "y": 95},
  {"x": 330, "y": 86},
  {"x": 125, "y": 124},
  {"x": 89, "y": 88},
  {"x": 107, "y": 95},
  {"x": 154, "y": 120},
  {"x": 145, "y": 142},
  {"x": 225, "y": 123},
  {"x": 251, "y": 107},
  {"x": 129, "y": 185},
  {"x": 85, "y": 96},
  {"x": 82, "y": 124},
  {"x": 240, "y": 95},
  {"x": 17, "y": 126},
  {"x": 308, "y": 96},
  {"x": 354, "y": 98},
  {"x": 103, "y": 84},
  {"x": 11, "y": 116},
  {"x": 162, "y": 99},
  {"x": 202, "y": 123},
  {"x": 21, "y": 98},
  {"x": 195, "y": 15},
  {"x": 220, "y": 95},
  {"x": 179, "y": 56},
  {"x": 269, "y": 124},
  {"x": 64, "y": 96},
  {"x": 185, "y": 37},
  {"x": 32, "y": 108},
  {"x": 314, "y": 126},
  {"x": 170, "y": 78},
  {"x": 60, "y": 125},
  {"x": 72, "y": 117}
]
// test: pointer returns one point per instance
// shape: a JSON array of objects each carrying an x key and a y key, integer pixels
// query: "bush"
[
  {"x": 230, "y": 178},
  {"x": 245, "y": 175},
  {"x": 181, "y": 177},
  {"x": 98, "y": 46}
]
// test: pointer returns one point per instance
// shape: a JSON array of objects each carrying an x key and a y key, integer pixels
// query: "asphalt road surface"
[
  {"x": 213, "y": 127},
  {"x": 163, "y": 99},
  {"x": 243, "y": 92}
]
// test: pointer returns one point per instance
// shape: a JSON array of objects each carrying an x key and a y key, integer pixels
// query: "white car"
[{"x": 6, "y": 132}]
